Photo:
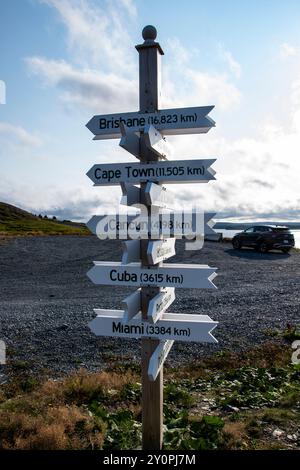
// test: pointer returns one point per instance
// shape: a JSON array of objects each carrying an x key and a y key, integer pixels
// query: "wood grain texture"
[{"x": 152, "y": 391}]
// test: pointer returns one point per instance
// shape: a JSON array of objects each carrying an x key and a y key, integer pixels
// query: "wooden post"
[{"x": 152, "y": 392}]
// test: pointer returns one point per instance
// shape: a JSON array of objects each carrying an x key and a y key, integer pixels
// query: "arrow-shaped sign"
[
  {"x": 158, "y": 358},
  {"x": 131, "y": 251},
  {"x": 172, "y": 326},
  {"x": 131, "y": 306},
  {"x": 158, "y": 196},
  {"x": 166, "y": 121},
  {"x": 130, "y": 142},
  {"x": 195, "y": 276},
  {"x": 157, "y": 143},
  {"x": 130, "y": 195},
  {"x": 160, "y": 250},
  {"x": 163, "y": 225},
  {"x": 171, "y": 172},
  {"x": 160, "y": 303}
]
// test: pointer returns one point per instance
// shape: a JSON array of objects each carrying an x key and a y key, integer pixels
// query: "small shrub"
[
  {"x": 131, "y": 392},
  {"x": 291, "y": 333},
  {"x": 123, "y": 432},
  {"x": 203, "y": 434},
  {"x": 177, "y": 395}
]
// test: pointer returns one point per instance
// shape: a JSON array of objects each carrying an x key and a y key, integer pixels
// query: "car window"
[
  {"x": 281, "y": 229},
  {"x": 249, "y": 230}
]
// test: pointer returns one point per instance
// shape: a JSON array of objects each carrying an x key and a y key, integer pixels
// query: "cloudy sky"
[{"x": 62, "y": 61}]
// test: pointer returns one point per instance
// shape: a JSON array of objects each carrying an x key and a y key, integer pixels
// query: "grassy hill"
[{"x": 15, "y": 221}]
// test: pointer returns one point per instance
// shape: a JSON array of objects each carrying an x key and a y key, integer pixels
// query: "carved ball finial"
[{"x": 149, "y": 33}]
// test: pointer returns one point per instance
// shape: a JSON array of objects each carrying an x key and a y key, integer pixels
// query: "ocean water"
[{"x": 231, "y": 233}]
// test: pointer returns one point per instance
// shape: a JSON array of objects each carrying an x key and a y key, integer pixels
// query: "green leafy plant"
[
  {"x": 185, "y": 434},
  {"x": 174, "y": 393},
  {"x": 122, "y": 432}
]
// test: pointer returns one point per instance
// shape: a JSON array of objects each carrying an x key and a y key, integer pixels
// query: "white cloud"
[
  {"x": 195, "y": 88},
  {"x": 90, "y": 89},
  {"x": 77, "y": 203},
  {"x": 19, "y": 135},
  {"x": 102, "y": 73},
  {"x": 130, "y": 6},
  {"x": 2, "y": 92},
  {"x": 98, "y": 34},
  {"x": 186, "y": 85},
  {"x": 287, "y": 50},
  {"x": 257, "y": 175},
  {"x": 214, "y": 89},
  {"x": 233, "y": 65}
]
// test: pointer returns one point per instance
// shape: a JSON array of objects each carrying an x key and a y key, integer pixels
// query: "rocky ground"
[{"x": 46, "y": 301}]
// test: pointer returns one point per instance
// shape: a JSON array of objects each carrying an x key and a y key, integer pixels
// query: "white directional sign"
[
  {"x": 130, "y": 194},
  {"x": 171, "y": 172},
  {"x": 158, "y": 196},
  {"x": 130, "y": 142},
  {"x": 195, "y": 276},
  {"x": 159, "y": 304},
  {"x": 166, "y": 225},
  {"x": 157, "y": 143},
  {"x": 160, "y": 250},
  {"x": 166, "y": 121},
  {"x": 173, "y": 326},
  {"x": 131, "y": 306},
  {"x": 158, "y": 358},
  {"x": 131, "y": 251}
]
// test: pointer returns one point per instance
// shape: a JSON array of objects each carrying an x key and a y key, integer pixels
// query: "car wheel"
[
  {"x": 285, "y": 250},
  {"x": 236, "y": 244},
  {"x": 263, "y": 248}
]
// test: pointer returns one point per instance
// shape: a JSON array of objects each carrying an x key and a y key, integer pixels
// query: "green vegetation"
[
  {"x": 289, "y": 333},
  {"x": 249, "y": 400},
  {"x": 16, "y": 222}
]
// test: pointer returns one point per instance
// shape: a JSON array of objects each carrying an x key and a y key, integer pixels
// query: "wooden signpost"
[{"x": 149, "y": 237}]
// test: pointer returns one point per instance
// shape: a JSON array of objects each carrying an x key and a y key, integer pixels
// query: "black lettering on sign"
[{"x": 124, "y": 276}]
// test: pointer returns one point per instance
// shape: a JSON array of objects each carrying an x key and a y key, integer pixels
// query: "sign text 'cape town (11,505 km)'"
[
  {"x": 166, "y": 121},
  {"x": 175, "y": 171},
  {"x": 194, "y": 276},
  {"x": 174, "y": 326}
]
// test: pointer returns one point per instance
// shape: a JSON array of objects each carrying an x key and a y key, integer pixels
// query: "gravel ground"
[{"x": 47, "y": 301}]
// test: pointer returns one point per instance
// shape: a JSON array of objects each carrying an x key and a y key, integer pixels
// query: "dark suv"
[{"x": 264, "y": 238}]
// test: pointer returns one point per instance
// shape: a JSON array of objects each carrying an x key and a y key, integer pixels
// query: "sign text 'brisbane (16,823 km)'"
[{"x": 166, "y": 121}]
